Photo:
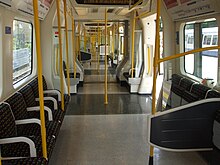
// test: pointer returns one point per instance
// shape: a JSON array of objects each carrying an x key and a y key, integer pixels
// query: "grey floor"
[{"x": 115, "y": 134}]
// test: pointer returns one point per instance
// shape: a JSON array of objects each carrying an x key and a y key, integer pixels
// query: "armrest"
[
  {"x": 28, "y": 121},
  {"x": 51, "y": 99},
  {"x": 37, "y": 108},
  {"x": 31, "y": 144},
  {"x": 55, "y": 92}
]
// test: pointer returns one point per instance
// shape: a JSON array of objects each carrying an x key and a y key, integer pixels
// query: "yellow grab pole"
[
  {"x": 99, "y": 40},
  {"x": 61, "y": 55},
  {"x": 40, "y": 84},
  {"x": 79, "y": 42},
  {"x": 106, "y": 78},
  {"x": 149, "y": 60},
  {"x": 67, "y": 48},
  {"x": 187, "y": 53},
  {"x": 132, "y": 46},
  {"x": 57, "y": 58},
  {"x": 156, "y": 57},
  {"x": 118, "y": 52},
  {"x": 73, "y": 45},
  {"x": 113, "y": 42},
  {"x": 85, "y": 42}
]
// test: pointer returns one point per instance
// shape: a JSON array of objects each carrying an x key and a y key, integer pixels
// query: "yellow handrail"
[
  {"x": 149, "y": 60},
  {"x": 79, "y": 41},
  {"x": 85, "y": 42},
  {"x": 40, "y": 80},
  {"x": 57, "y": 58},
  {"x": 156, "y": 57},
  {"x": 132, "y": 46},
  {"x": 73, "y": 45},
  {"x": 118, "y": 52},
  {"x": 113, "y": 41},
  {"x": 106, "y": 78},
  {"x": 67, "y": 48},
  {"x": 134, "y": 5},
  {"x": 61, "y": 55},
  {"x": 187, "y": 53},
  {"x": 99, "y": 40}
]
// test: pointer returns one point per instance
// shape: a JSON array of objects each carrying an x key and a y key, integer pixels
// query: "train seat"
[
  {"x": 15, "y": 144},
  {"x": 20, "y": 112},
  {"x": 200, "y": 90},
  {"x": 26, "y": 161},
  {"x": 71, "y": 72},
  {"x": 48, "y": 92},
  {"x": 31, "y": 102}
]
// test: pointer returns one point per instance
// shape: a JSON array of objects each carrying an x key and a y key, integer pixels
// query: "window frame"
[
  {"x": 184, "y": 47},
  {"x": 32, "y": 48}
]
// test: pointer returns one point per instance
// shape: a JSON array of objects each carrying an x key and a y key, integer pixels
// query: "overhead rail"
[
  {"x": 40, "y": 80},
  {"x": 61, "y": 54},
  {"x": 67, "y": 48},
  {"x": 106, "y": 76}
]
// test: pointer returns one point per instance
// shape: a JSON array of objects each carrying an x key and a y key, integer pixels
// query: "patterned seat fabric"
[
  {"x": 200, "y": 90},
  {"x": 34, "y": 86},
  {"x": 176, "y": 79},
  {"x": 26, "y": 161},
  {"x": 29, "y": 98},
  {"x": 213, "y": 94},
  {"x": 8, "y": 129},
  {"x": 19, "y": 109},
  {"x": 190, "y": 97},
  {"x": 186, "y": 84},
  {"x": 71, "y": 74}
]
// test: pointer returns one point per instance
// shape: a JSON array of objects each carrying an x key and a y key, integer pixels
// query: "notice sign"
[
  {"x": 170, "y": 3},
  {"x": 188, "y": 8}
]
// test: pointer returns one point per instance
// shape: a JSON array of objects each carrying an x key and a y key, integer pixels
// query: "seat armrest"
[
  {"x": 51, "y": 99},
  {"x": 55, "y": 92},
  {"x": 37, "y": 108},
  {"x": 27, "y": 121},
  {"x": 31, "y": 144}
]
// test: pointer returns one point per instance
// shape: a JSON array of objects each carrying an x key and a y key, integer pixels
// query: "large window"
[
  {"x": 200, "y": 35},
  {"x": 22, "y": 50}
]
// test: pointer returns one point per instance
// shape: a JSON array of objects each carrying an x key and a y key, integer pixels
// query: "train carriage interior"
[{"x": 94, "y": 82}]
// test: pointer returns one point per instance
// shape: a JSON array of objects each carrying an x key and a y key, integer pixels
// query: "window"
[
  {"x": 215, "y": 40},
  {"x": 22, "y": 50},
  {"x": 203, "y": 64},
  {"x": 189, "y": 45}
]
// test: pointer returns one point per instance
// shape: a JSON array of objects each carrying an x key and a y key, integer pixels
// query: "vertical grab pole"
[
  {"x": 79, "y": 54},
  {"x": 73, "y": 45},
  {"x": 118, "y": 52},
  {"x": 67, "y": 48},
  {"x": 156, "y": 57},
  {"x": 61, "y": 55},
  {"x": 132, "y": 46},
  {"x": 106, "y": 78},
  {"x": 85, "y": 42},
  {"x": 99, "y": 40},
  {"x": 113, "y": 41},
  {"x": 40, "y": 84}
]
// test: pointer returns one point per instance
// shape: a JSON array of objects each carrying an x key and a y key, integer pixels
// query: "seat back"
[
  {"x": 18, "y": 106},
  {"x": 34, "y": 86},
  {"x": 7, "y": 126},
  {"x": 28, "y": 96},
  {"x": 200, "y": 90}
]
